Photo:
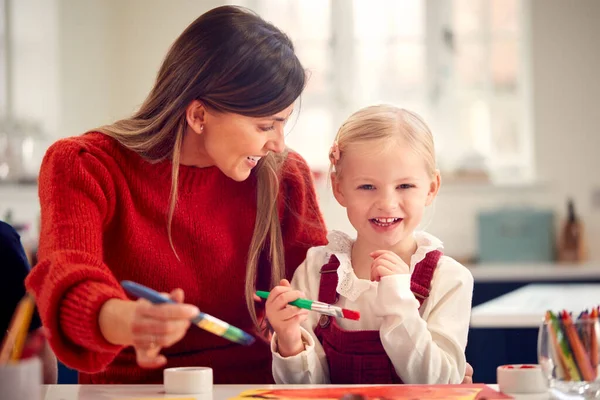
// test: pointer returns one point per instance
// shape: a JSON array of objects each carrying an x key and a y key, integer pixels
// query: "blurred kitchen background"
[{"x": 510, "y": 88}]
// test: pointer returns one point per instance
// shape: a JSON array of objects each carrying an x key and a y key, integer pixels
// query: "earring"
[{"x": 201, "y": 128}]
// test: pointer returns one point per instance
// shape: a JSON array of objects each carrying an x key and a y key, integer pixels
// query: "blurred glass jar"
[
  {"x": 6, "y": 151},
  {"x": 22, "y": 148},
  {"x": 569, "y": 356},
  {"x": 32, "y": 147}
]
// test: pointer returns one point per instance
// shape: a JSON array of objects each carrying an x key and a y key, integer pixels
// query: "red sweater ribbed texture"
[{"x": 103, "y": 220}]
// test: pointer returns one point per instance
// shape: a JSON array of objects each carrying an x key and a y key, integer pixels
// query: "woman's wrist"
[{"x": 115, "y": 319}]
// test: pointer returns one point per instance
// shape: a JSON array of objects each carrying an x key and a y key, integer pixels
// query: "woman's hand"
[
  {"x": 145, "y": 326},
  {"x": 286, "y": 319}
]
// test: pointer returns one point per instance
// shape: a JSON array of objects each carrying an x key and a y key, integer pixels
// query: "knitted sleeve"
[
  {"x": 70, "y": 281},
  {"x": 302, "y": 224}
]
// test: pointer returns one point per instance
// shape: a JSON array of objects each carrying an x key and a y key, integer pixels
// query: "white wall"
[
  {"x": 108, "y": 63},
  {"x": 141, "y": 55},
  {"x": 85, "y": 60},
  {"x": 34, "y": 82},
  {"x": 106, "y": 66},
  {"x": 566, "y": 77}
]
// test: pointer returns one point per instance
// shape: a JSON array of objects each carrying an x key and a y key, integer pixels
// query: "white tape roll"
[
  {"x": 188, "y": 380},
  {"x": 521, "y": 379}
]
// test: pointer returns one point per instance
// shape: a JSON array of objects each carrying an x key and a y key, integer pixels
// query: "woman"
[{"x": 195, "y": 191}]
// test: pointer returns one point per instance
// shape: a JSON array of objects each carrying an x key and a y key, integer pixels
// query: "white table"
[
  {"x": 525, "y": 307},
  {"x": 534, "y": 272},
  {"x": 220, "y": 392}
]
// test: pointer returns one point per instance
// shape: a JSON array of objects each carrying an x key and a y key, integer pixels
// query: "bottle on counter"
[{"x": 571, "y": 245}]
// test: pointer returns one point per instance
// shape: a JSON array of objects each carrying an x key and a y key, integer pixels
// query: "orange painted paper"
[{"x": 391, "y": 392}]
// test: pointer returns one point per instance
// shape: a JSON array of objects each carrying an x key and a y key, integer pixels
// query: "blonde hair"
[
  {"x": 384, "y": 124},
  {"x": 254, "y": 72}
]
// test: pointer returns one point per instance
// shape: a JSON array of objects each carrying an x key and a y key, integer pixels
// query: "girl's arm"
[
  {"x": 428, "y": 350},
  {"x": 309, "y": 366}
]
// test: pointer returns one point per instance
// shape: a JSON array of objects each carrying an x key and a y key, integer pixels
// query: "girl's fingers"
[
  {"x": 378, "y": 253},
  {"x": 378, "y": 272},
  {"x": 392, "y": 257},
  {"x": 276, "y": 292},
  {"x": 385, "y": 264},
  {"x": 285, "y": 283},
  {"x": 391, "y": 261},
  {"x": 289, "y": 313},
  {"x": 283, "y": 299}
]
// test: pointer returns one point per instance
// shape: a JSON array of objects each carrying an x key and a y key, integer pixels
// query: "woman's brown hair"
[{"x": 233, "y": 61}]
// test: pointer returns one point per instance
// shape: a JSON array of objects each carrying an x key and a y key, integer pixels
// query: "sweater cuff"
[
  {"x": 394, "y": 291},
  {"x": 79, "y": 313},
  {"x": 298, "y": 363}
]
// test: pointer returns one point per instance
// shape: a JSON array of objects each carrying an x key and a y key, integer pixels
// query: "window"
[
  {"x": 3, "y": 60},
  {"x": 4, "y": 87},
  {"x": 458, "y": 63}
]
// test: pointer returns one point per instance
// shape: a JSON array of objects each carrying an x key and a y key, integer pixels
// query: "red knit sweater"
[{"x": 104, "y": 213}]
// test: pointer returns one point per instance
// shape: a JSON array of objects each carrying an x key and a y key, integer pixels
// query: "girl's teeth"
[
  {"x": 255, "y": 159},
  {"x": 385, "y": 221}
]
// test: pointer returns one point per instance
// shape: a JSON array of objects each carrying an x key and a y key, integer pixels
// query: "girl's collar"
[{"x": 349, "y": 285}]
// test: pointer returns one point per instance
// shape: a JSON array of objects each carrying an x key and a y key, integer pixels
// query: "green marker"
[{"x": 319, "y": 307}]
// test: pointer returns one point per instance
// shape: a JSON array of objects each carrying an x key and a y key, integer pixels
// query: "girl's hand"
[
  {"x": 468, "y": 379},
  {"x": 286, "y": 319},
  {"x": 386, "y": 263},
  {"x": 147, "y": 327}
]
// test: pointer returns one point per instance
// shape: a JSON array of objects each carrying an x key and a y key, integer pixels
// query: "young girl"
[{"x": 414, "y": 302}]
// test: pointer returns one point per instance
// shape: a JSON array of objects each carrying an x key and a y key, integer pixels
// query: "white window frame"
[{"x": 5, "y": 94}]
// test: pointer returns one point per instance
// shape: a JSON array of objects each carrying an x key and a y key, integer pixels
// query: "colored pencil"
[
  {"x": 202, "y": 320},
  {"x": 570, "y": 368},
  {"x": 16, "y": 335},
  {"x": 594, "y": 339},
  {"x": 581, "y": 355},
  {"x": 319, "y": 307},
  {"x": 583, "y": 325},
  {"x": 561, "y": 367}
]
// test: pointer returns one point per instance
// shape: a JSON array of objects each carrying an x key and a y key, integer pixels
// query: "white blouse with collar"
[{"x": 426, "y": 345}]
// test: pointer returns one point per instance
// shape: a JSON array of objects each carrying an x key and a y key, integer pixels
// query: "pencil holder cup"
[
  {"x": 21, "y": 380},
  {"x": 568, "y": 355}
]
